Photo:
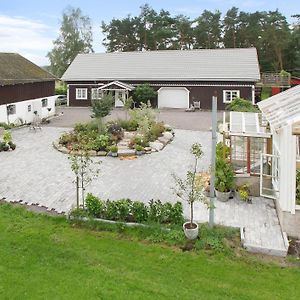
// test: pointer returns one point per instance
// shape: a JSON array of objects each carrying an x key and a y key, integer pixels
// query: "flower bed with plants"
[
  {"x": 139, "y": 134},
  {"x": 126, "y": 210}
]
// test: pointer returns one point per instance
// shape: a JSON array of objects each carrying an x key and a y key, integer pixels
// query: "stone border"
[
  {"x": 129, "y": 224},
  {"x": 156, "y": 146}
]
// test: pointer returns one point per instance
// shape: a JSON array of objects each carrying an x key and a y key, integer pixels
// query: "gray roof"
[
  {"x": 282, "y": 109},
  {"x": 203, "y": 64},
  {"x": 15, "y": 69}
]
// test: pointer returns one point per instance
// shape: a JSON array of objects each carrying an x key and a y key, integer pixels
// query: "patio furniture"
[
  {"x": 190, "y": 109},
  {"x": 197, "y": 105}
]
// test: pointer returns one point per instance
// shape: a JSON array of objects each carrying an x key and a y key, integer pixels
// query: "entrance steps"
[{"x": 265, "y": 240}]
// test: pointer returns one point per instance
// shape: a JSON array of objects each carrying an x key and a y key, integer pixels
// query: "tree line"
[{"x": 277, "y": 41}]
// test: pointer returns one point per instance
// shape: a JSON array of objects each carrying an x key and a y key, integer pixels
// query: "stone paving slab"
[{"x": 37, "y": 173}]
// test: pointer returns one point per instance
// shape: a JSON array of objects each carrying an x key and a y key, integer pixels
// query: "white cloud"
[{"x": 27, "y": 37}]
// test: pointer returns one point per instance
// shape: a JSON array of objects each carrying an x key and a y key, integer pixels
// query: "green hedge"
[{"x": 126, "y": 210}]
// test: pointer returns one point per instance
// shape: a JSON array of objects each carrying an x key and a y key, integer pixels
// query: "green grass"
[{"x": 48, "y": 258}]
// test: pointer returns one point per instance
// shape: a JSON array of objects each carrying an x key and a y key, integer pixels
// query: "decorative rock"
[
  {"x": 168, "y": 127},
  {"x": 163, "y": 140},
  {"x": 126, "y": 152},
  {"x": 64, "y": 150},
  {"x": 101, "y": 153},
  {"x": 156, "y": 145},
  {"x": 168, "y": 135},
  {"x": 92, "y": 153}
]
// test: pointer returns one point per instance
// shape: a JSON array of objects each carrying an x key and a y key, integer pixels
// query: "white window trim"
[
  {"x": 14, "y": 109},
  {"x": 44, "y": 100},
  {"x": 79, "y": 93},
  {"x": 230, "y": 91}
]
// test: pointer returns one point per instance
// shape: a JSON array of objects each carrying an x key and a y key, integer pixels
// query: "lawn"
[{"x": 48, "y": 258}]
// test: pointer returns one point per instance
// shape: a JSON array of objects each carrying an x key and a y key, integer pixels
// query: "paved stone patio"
[{"x": 37, "y": 173}]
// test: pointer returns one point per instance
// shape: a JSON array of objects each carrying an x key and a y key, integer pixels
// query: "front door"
[{"x": 119, "y": 98}]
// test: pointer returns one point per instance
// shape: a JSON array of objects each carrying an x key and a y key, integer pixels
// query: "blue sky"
[{"x": 29, "y": 27}]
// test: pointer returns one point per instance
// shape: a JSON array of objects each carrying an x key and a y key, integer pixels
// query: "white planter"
[
  {"x": 224, "y": 197},
  {"x": 114, "y": 154},
  {"x": 192, "y": 233}
]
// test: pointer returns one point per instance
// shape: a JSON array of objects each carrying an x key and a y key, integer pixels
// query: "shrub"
[
  {"x": 81, "y": 127},
  {"x": 222, "y": 150},
  {"x": 156, "y": 130},
  {"x": 139, "y": 148},
  {"x": 138, "y": 140},
  {"x": 155, "y": 211},
  {"x": 176, "y": 214},
  {"x": 144, "y": 93},
  {"x": 7, "y": 138},
  {"x": 94, "y": 205},
  {"x": 111, "y": 211},
  {"x": 61, "y": 90},
  {"x": 123, "y": 209},
  {"x": 144, "y": 112},
  {"x": 92, "y": 126},
  {"x": 67, "y": 138},
  {"x": 100, "y": 143},
  {"x": 115, "y": 130},
  {"x": 102, "y": 107},
  {"x": 139, "y": 212},
  {"x": 242, "y": 105},
  {"x": 224, "y": 176},
  {"x": 128, "y": 125},
  {"x": 135, "y": 211}
]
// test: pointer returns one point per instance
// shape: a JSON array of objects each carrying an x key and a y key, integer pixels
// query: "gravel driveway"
[{"x": 177, "y": 118}]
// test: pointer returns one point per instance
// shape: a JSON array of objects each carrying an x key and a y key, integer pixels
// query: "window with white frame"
[
  {"x": 44, "y": 102},
  {"x": 96, "y": 94},
  {"x": 29, "y": 108},
  {"x": 11, "y": 109},
  {"x": 81, "y": 94},
  {"x": 229, "y": 95}
]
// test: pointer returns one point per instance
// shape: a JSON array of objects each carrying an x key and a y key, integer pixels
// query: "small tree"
[
  {"x": 144, "y": 93},
  {"x": 190, "y": 189},
  {"x": 102, "y": 108},
  {"x": 144, "y": 116},
  {"x": 128, "y": 102},
  {"x": 85, "y": 170}
]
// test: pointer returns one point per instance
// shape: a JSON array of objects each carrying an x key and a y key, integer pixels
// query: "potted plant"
[
  {"x": 243, "y": 193},
  {"x": 12, "y": 146},
  {"x": 224, "y": 179},
  {"x": 114, "y": 150},
  {"x": 190, "y": 190},
  {"x": 139, "y": 150}
]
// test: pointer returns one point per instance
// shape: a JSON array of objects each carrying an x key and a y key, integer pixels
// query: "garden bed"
[{"x": 118, "y": 138}]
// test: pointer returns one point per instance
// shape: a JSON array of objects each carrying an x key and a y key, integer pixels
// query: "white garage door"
[{"x": 175, "y": 97}]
